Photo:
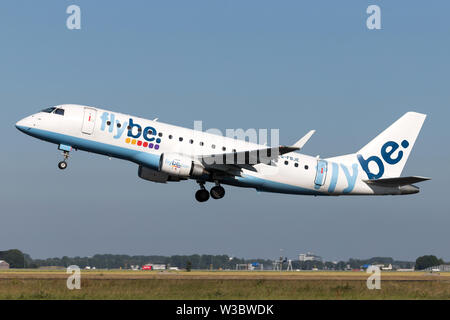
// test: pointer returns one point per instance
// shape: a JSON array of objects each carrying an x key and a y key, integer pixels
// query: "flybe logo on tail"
[
  {"x": 387, "y": 153},
  {"x": 146, "y": 137}
]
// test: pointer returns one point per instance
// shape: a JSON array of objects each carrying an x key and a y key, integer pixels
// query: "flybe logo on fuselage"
[
  {"x": 387, "y": 151},
  {"x": 136, "y": 135},
  {"x": 175, "y": 164}
]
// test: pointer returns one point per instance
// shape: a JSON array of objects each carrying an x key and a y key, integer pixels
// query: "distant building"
[
  {"x": 4, "y": 264},
  {"x": 151, "y": 266},
  {"x": 441, "y": 268},
  {"x": 158, "y": 267},
  {"x": 309, "y": 257},
  {"x": 380, "y": 266},
  {"x": 444, "y": 267}
]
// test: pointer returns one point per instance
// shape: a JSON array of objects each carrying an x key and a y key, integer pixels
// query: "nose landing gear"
[{"x": 63, "y": 164}]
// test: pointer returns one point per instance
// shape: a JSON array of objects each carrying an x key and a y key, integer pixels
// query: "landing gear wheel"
[
  {"x": 62, "y": 165},
  {"x": 217, "y": 192},
  {"x": 202, "y": 195}
]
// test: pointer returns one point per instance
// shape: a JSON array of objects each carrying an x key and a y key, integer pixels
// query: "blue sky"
[{"x": 292, "y": 65}]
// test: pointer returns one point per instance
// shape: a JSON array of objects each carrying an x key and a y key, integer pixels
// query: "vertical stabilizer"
[{"x": 386, "y": 155}]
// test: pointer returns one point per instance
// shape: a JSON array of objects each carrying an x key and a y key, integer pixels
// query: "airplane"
[{"x": 167, "y": 153}]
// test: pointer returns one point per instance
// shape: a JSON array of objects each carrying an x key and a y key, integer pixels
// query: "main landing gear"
[
  {"x": 217, "y": 192},
  {"x": 202, "y": 195}
]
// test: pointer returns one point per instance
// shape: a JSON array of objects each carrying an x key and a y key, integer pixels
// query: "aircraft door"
[
  {"x": 321, "y": 174},
  {"x": 89, "y": 120}
]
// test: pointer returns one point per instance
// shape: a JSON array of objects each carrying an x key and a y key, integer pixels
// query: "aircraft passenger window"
[
  {"x": 296, "y": 164},
  {"x": 213, "y": 146},
  {"x": 180, "y": 138},
  {"x": 139, "y": 129},
  {"x": 59, "y": 111},
  {"x": 286, "y": 162},
  {"x": 191, "y": 141},
  {"x": 306, "y": 167},
  {"x": 201, "y": 143},
  {"x": 129, "y": 127},
  {"x": 118, "y": 125},
  {"x": 234, "y": 150},
  {"x": 49, "y": 110},
  {"x": 170, "y": 136},
  {"x": 160, "y": 134},
  {"x": 223, "y": 148},
  {"x": 108, "y": 123}
]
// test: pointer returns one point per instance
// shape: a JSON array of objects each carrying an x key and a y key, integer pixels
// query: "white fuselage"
[{"x": 117, "y": 135}]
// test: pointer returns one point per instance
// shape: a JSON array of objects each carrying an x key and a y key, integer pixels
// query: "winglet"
[{"x": 300, "y": 143}]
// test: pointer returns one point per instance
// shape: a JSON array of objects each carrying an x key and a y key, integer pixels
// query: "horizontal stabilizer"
[{"x": 400, "y": 181}]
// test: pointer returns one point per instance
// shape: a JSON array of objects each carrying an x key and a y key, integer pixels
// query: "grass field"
[{"x": 124, "y": 284}]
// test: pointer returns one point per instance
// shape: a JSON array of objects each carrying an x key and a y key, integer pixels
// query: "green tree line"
[{"x": 17, "y": 259}]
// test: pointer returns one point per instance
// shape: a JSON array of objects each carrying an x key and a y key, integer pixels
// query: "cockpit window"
[
  {"x": 59, "y": 111},
  {"x": 49, "y": 110}
]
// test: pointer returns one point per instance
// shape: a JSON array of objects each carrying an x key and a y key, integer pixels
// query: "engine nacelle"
[
  {"x": 152, "y": 175},
  {"x": 180, "y": 166},
  {"x": 156, "y": 176}
]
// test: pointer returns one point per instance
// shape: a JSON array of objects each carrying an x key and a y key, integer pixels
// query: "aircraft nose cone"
[{"x": 23, "y": 125}]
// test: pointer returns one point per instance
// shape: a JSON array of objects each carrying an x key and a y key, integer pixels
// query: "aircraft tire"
[
  {"x": 217, "y": 192},
  {"x": 202, "y": 195},
  {"x": 62, "y": 165}
]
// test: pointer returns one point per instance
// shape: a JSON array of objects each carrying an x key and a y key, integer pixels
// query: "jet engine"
[{"x": 180, "y": 166}]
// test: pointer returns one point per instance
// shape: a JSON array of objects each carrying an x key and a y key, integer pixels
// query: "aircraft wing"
[
  {"x": 300, "y": 143},
  {"x": 252, "y": 157},
  {"x": 400, "y": 181}
]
